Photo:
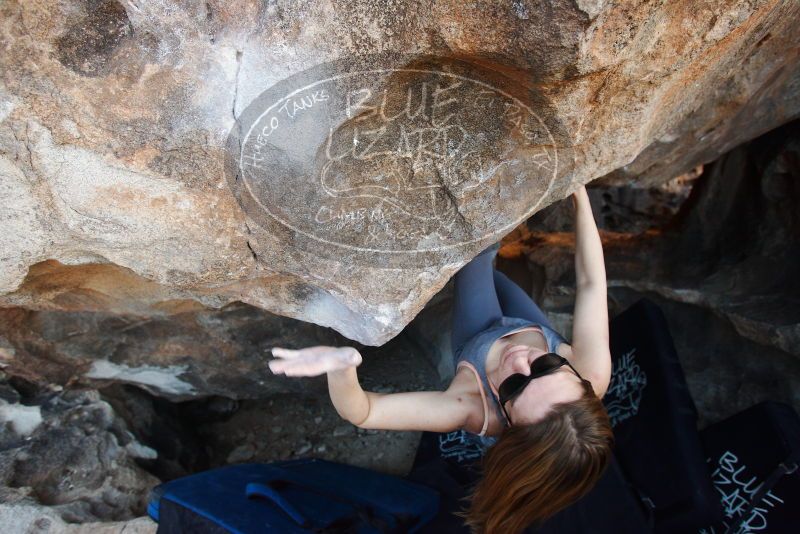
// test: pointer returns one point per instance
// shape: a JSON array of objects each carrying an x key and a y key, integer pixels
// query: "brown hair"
[{"x": 535, "y": 470}]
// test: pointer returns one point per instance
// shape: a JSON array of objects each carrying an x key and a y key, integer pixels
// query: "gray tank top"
[{"x": 476, "y": 349}]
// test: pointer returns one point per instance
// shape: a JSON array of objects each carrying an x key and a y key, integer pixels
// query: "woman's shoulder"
[
  {"x": 464, "y": 388},
  {"x": 463, "y": 383}
]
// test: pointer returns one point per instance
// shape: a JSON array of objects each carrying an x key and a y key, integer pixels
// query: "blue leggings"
[{"x": 483, "y": 295}]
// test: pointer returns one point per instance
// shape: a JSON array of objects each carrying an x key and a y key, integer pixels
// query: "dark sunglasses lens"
[
  {"x": 546, "y": 363},
  {"x": 511, "y": 386}
]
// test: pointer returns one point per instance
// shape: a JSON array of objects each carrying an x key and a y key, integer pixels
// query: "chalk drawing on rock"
[{"x": 402, "y": 160}]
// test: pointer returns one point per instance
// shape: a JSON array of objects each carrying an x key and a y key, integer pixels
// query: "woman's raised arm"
[{"x": 590, "y": 337}]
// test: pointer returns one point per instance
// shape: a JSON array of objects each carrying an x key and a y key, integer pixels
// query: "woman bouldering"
[{"x": 530, "y": 395}]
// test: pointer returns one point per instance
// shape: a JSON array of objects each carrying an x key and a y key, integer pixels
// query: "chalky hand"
[{"x": 313, "y": 361}]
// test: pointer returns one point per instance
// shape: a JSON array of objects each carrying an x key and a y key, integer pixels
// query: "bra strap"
[{"x": 483, "y": 396}]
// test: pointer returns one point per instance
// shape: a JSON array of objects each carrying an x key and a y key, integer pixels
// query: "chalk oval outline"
[{"x": 391, "y": 251}]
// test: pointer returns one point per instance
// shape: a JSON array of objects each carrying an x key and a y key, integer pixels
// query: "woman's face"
[{"x": 562, "y": 385}]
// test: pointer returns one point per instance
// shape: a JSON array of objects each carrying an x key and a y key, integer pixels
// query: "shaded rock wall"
[
  {"x": 180, "y": 356},
  {"x": 114, "y": 119}
]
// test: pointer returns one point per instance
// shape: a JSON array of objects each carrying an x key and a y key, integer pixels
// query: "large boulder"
[{"x": 116, "y": 124}]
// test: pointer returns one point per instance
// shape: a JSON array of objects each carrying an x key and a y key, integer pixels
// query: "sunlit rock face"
[{"x": 187, "y": 155}]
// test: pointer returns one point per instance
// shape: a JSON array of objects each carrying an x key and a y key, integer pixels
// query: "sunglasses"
[{"x": 513, "y": 386}]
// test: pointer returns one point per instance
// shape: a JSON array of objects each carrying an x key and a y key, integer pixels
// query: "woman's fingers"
[
  {"x": 277, "y": 366},
  {"x": 296, "y": 366},
  {"x": 301, "y": 353},
  {"x": 313, "y": 361},
  {"x": 303, "y": 371},
  {"x": 286, "y": 353},
  {"x": 303, "y": 368}
]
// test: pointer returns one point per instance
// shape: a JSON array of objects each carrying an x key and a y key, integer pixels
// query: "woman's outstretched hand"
[{"x": 313, "y": 361}]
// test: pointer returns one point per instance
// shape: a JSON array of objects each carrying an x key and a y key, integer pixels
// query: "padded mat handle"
[{"x": 272, "y": 494}]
